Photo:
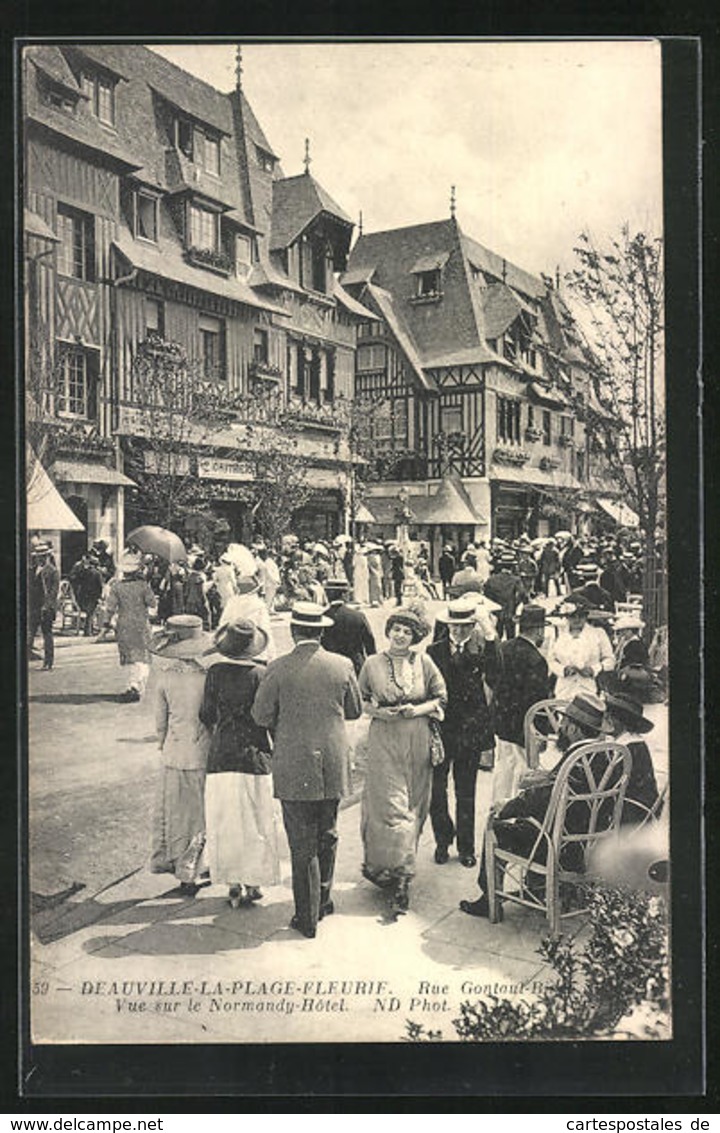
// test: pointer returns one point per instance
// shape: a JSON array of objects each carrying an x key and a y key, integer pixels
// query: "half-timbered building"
[
  {"x": 483, "y": 367},
  {"x": 157, "y": 217}
]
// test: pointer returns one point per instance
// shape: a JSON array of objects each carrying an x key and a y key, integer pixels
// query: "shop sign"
[
  {"x": 217, "y": 468},
  {"x": 166, "y": 463}
]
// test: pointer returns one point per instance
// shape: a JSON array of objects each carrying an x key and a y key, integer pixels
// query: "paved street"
[{"x": 104, "y": 960}]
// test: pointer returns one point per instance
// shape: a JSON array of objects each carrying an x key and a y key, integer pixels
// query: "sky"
[{"x": 541, "y": 140}]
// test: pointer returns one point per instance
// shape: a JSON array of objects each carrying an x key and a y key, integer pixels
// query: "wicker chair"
[
  {"x": 542, "y": 721},
  {"x": 585, "y": 807}
]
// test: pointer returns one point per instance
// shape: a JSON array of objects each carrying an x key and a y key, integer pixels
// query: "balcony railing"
[{"x": 219, "y": 262}]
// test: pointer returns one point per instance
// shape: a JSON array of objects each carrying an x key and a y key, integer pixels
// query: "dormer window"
[
  {"x": 427, "y": 275},
  {"x": 203, "y": 228},
  {"x": 428, "y": 283},
  {"x": 245, "y": 254},
  {"x": 264, "y": 159},
  {"x": 198, "y": 145},
  {"x": 145, "y": 216},
  {"x": 100, "y": 93}
]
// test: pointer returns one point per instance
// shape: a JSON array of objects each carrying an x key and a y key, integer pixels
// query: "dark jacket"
[
  {"x": 518, "y": 675},
  {"x": 467, "y": 728},
  {"x": 506, "y": 589},
  {"x": 446, "y": 566},
  {"x": 44, "y": 588},
  {"x": 350, "y": 634},
  {"x": 237, "y": 743},
  {"x": 87, "y": 584}
]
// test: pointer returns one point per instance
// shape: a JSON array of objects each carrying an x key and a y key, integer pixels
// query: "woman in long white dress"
[
  {"x": 361, "y": 576},
  {"x": 579, "y": 653}
]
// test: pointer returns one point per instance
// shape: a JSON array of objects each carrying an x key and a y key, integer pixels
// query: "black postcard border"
[{"x": 502, "y": 1077}]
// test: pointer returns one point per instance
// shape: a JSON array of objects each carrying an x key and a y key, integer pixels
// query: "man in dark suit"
[
  {"x": 516, "y": 822},
  {"x": 518, "y": 675},
  {"x": 505, "y": 587},
  {"x": 350, "y": 633},
  {"x": 304, "y": 699},
  {"x": 446, "y": 566},
  {"x": 466, "y": 730}
]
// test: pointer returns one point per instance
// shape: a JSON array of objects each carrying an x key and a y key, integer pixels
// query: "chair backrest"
[
  {"x": 586, "y": 802},
  {"x": 587, "y": 799},
  {"x": 541, "y": 721}
]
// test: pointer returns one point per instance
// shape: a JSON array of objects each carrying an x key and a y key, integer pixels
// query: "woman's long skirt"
[
  {"x": 179, "y": 824},
  {"x": 242, "y": 836},
  {"x": 396, "y": 797}
]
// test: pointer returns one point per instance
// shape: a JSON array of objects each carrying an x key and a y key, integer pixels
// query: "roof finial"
[
  {"x": 238, "y": 68},
  {"x": 504, "y": 270},
  {"x": 360, "y": 224},
  {"x": 452, "y": 200},
  {"x": 307, "y": 159},
  {"x": 557, "y": 277}
]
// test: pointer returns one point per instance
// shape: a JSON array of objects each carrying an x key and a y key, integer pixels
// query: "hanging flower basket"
[{"x": 514, "y": 456}]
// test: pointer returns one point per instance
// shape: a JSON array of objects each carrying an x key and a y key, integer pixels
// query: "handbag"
[{"x": 437, "y": 750}]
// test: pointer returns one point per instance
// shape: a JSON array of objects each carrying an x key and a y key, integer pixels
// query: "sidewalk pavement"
[{"x": 139, "y": 963}]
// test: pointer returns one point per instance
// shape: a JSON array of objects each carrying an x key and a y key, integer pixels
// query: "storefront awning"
[
  {"x": 534, "y": 477},
  {"x": 364, "y": 515},
  {"x": 618, "y": 511},
  {"x": 46, "y": 509},
  {"x": 450, "y": 506},
  {"x": 85, "y": 472}
]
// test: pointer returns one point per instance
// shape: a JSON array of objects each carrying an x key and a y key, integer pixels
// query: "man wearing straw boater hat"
[
  {"x": 516, "y": 822},
  {"x": 466, "y": 729},
  {"x": 304, "y": 699}
]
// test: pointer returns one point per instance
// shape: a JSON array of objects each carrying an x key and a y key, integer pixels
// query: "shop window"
[
  {"x": 76, "y": 250},
  {"x": 146, "y": 216},
  {"x": 371, "y": 356},
  {"x": 212, "y": 348},
  {"x": 547, "y": 427},
  {"x": 77, "y": 386},
  {"x": 100, "y": 92},
  {"x": 508, "y": 420}
]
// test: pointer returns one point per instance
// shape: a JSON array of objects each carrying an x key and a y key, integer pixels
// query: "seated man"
[
  {"x": 625, "y": 716},
  {"x": 583, "y": 722}
]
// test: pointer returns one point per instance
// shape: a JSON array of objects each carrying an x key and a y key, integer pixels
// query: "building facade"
[
  {"x": 486, "y": 374},
  {"x": 163, "y": 244}
]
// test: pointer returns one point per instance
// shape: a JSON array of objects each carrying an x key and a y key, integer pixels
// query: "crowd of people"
[{"x": 238, "y": 725}]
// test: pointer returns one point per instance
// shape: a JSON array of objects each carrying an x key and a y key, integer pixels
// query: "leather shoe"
[
  {"x": 468, "y": 860},
  {"x": 326, "y": 910},
  {"x": 479, "y": 908},
  {"x": 441, "y": 855},
  {"x": 306, "y": 930}
]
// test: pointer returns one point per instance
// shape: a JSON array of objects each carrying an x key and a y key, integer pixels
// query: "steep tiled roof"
[
  {"x": 468, "y": 357},
  {"x": 54, "y": 64},
  {"x": 450, "y": 505},
  {"x": 296, "y": 202},
  {"x": 437, "y": 327},
  {"x": 501, "y": 306},
  {"x": 494, "y": 265},
  {"x": 345, "y": 298},
  {"x": 393, "y": 317}
]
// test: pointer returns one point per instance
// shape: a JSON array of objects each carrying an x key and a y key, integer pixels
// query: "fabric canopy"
[
  {"x": 84, "y": 472},
  {"x": 623, "y": 515},
  {"x": 46, "y": 509}
]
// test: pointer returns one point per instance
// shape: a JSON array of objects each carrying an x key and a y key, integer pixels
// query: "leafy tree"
[
  {"x": 374, "y": 454},
  {"x": 620, "y": 292}
]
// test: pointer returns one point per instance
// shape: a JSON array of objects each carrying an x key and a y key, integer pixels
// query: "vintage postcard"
[{"x": 360, "y": 344}]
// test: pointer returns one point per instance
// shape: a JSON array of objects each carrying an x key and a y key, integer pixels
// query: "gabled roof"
[
  {"x": 253, "y": 129},
  {"x": 54, "y": 64},
  {"x": 296, "y": 202},
  {"x": 490, "y": 263},
  {"x": 467, "y": 357},
  {"x": 450, "y": 505},
  {"x": 501, "y": 306},
  {"x": 345, "y": 298},
  {"x": 394, "y": 318}
]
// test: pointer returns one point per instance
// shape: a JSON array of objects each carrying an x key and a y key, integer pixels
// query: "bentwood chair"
[
  {"x": 542, "y": 723},
  {"x": 585, "y": 807}
]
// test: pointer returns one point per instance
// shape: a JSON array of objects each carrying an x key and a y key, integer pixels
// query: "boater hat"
[
  {"x": 628, "y": 621},
  {"x": 629, "y": 711},
  {"x": 587, "y": 710},
  {"x": 459, "y": 613},
  {"x": 238, "y": 640},
  {"x": 181, "y": 637},
  {"x": 310, "y": 615}
]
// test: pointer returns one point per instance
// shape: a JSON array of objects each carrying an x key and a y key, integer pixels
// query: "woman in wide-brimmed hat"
[
  {"x": 402, "y": 690},
  {"x": 130, "y": 600},
  {"x": 179, "y": 823},
  {"x": 580, "y": 653},
  {"x": 242, "y": 849},
  {"x": 629, "y": 725}
]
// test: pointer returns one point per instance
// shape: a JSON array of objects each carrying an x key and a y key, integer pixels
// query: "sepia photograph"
[{"x": 345, "y": 552}]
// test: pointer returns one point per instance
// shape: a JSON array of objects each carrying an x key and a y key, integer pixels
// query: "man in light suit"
[{"x": 304, "y": 699}]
